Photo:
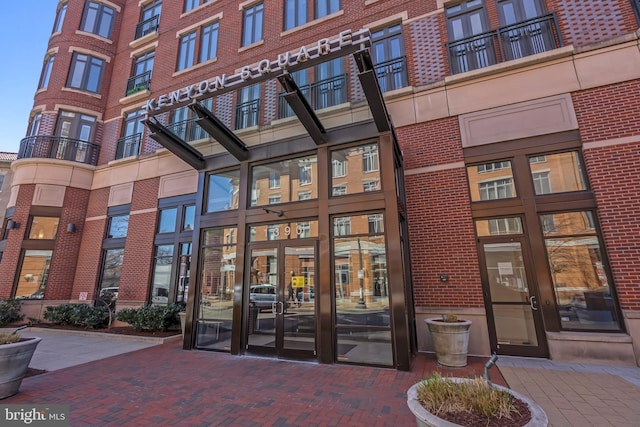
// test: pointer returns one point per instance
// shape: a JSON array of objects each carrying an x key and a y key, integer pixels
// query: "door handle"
[
  {"x": 532, "y": 303},
  {"x": 274, "y": 310},
  {"x": 281, "y": 307}
]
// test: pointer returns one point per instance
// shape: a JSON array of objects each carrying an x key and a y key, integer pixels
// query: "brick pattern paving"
[{"x": 165, "y": 385}]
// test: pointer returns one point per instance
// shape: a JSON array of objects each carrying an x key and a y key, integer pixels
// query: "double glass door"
[
  {"x": 513, "y": 310},
  {"x": 281, "y": 314}
]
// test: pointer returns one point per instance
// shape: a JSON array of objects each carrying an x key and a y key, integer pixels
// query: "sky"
[{"x": 25, "y": 27}]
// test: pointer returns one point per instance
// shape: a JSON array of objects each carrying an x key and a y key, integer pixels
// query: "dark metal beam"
[
  {"x": 175, "y": 144},
  {"x": 221, "y": 133},
  {"x": 302, "y": 109},
  {"x": 371, "y": 88}
]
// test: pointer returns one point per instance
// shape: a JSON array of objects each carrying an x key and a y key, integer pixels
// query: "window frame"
[
  {"x": 59, "y": 22},
  {"x": 252, "y": 33},
  {"x": 102, "y": 12},
  {"x": 86, "y": 71}
]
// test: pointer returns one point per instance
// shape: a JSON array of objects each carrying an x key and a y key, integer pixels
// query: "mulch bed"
[{"x": 518, "y": 419}]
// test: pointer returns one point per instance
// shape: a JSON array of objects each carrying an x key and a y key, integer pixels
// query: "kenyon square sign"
[{"x": 345, "y": 42}]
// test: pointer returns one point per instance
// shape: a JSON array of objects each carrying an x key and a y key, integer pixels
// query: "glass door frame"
[
  {"x": 541, "y": 350},
  {"x": 282, "y": 300}
]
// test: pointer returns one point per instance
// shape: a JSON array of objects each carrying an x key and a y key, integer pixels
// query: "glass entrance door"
[
  {"x": 282, "y": 310},
  {"x": 513, "y": 311}
]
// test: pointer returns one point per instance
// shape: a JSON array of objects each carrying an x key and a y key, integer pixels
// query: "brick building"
[{"x": 316, "y": 178}]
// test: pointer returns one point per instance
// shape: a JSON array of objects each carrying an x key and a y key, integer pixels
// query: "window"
[
  {"x": 192, "y": 4},
  {"x": 46, "y": 72},
  {"x": 43, "y": 227},
  {"x": 274, "y": 180},
  {"x": 498, "y": 226},
  {"x": 118, "y": 226},
  {"x": 133, "y": 128},
  {"x": 376, "y": 225},
  {"x": 339, "y": 190},
  {"x": 162, "y": 274},
  {"x": 209, "y": 42},
  {"x": 222, "y": 191},
  {"x": 636, "y": 8},
  {"x": 57, "y": 25},
  {"x": 187, "y": 51},
  {"x": 372, "y": 185},
  {"x": 252, "y": 31},
  {"x": 326, "y": 7},
  {"x": 274, "y": 199},
  {"x": 1, "y": 182},
  {"x": 491, "y": 181},
  {"x": 167, "y": 221},
  {"x": 370, "y": 158},
  {"x": 34, "y": 272},
  {"x": 339, "y": 168},
  {"x": 98, "y": 19},
  {"x": 387, "y": 47},
  {"x": 34, "y": 127},
  {"x": 248, "y": 107},
  {"x": 149, "y": 19},
  {"x": 466, "y": 52},
  {"x": 111, "y": 268},
  {"x": 144, "y": 63},
  {"x": 579, "y": 274},
  {"x": 293, "y": 174},
  {"x": 559, "y": 173},
  {"x": 86, "y": 72},
  {"x": 295, "y": 13},
  {"x": 342, "y": 226},
  {"x": 304, "y": 195},
  {"x": 189, "y": 218},
  {"x": 330, "y": 87},
  {"x": 525, "y": 37}
]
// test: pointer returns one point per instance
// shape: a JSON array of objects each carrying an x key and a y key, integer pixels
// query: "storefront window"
[
  {"x": 162, "y": 275},
  {"x": 32, "y": 280},
  {"x": 491, "y": 181},
  {"x": 357, "y": 166},
  {"x": 215, "y": 296},
  {"x": 112, "y": 267},
  {"x": 284, "y": 231},
  {"x": 222, "y": 191},
  {"x": 557, "y": 173},
  {"x": 293, "y": 175},
  {"x": 577, "y": 267},
  {"x": 363, "y": 324},
  {"x": 43, "y": 227}
]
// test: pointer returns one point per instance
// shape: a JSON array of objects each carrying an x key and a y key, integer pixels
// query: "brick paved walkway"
[{"x": 165, "y": 385}]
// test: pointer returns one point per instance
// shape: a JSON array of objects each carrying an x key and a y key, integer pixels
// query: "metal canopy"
[
  {"x": 371, "y": 88},
  {"x": 175, "y": 144},
  {"x": 221, "y": 133},
  {"x": 300, "y": 106}
]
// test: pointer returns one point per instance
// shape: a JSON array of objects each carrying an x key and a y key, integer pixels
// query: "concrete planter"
[
  {"x": 14, "y": 361},
  {"x": 451, "y": 341},
  {"x": 425, "y": 418}
]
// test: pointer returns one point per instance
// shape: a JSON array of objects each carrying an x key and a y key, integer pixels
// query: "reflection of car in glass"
[
  {"x": 263, "y": 296},
  {"x": 104, "y": 291}
]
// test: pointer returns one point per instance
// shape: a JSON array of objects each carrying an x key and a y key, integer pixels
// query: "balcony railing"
[
  {"x": 321, "y": 94},
  {"x": 515, "y": 41},
  {"x": 188, "y": 130},
  {"x": 138, "y": 83},
  {"x": 58, "y": 147},
  {"x": 392, "y": 74},
  {"x": 147, "y": 27},
  {"x": 128, "y": 146},
  {"x": 247, "y": 114}
]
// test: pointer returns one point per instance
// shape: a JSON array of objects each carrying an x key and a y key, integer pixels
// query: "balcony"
[
  {"x": 247, "y": 114},
  {"x": 138, "y": 83},
  {"x": 392, "y": 74},
  {"x": 147, "y": 27},
  {"x": 188, "y": 130},
  {"x": 128, "y": 146},
  {"x": 58, "y": 147},
  {"x": 321, "y": 94},
  {"x": 515, "y": 41}
]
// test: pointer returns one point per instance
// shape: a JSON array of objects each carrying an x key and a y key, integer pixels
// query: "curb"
[{"x": 156, "y": 340}]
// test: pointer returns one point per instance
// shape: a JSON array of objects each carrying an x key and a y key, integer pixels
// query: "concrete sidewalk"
[{"x": 149, "y": 383}]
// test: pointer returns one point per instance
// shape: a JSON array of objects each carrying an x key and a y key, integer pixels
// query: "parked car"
[{"x": 263, "y": 296}]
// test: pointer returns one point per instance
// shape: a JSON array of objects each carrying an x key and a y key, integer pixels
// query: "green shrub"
[
  {"x": 151, "y": 317},
  {"x": 10, "y": 311},
  {"x": 81, "y": 315}
]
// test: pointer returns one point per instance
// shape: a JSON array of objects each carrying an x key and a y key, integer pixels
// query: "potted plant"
[
  {"x": 449, "y": 402},
  {"x": 15, "y": 356},
  {"x": 450, "y": 338}
]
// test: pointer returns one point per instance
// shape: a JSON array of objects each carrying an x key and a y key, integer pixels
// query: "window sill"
[
  {"x": 143, "y": 40},
  {"x": 134, "y": 97}
]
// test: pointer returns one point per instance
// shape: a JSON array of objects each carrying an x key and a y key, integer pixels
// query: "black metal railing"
[
  {"x": 247, "y": 114},
  {"x": 128, "y": 146},
  {"x": 392, "y": 74},
  {"x": 138, "y": 83},
  {"x": 147, "y": 26},
  {"x": 59, "y": 147},
  {"x": 321, "y": 94},
  {"x": 515, "y": 41},
  {"x": 188, "y": 130}
]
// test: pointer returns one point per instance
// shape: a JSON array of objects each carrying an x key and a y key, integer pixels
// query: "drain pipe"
[{"x": 490, "y": 364}]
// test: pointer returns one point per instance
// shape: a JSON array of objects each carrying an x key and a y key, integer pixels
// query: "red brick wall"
[
  {"x": 67, "y": 246},
  {"x": 138, "y": 254},
  {"x": 603, "y": 114},
  {"x": 441, "y": 231}
]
